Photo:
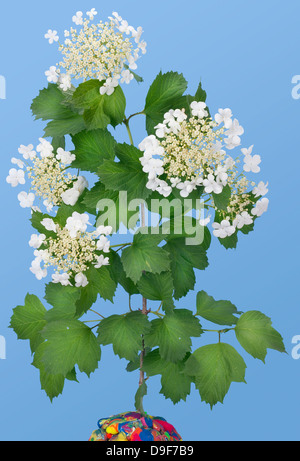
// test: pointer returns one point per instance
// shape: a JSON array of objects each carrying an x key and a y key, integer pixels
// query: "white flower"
[
  {"x": 261, "y": 189},
  {"x": 103, "y": 230},
  {"x": 36, "y": 240},
  {"x": 52, "y": 75},
  {"x": 81, "y": 280},
  {"x": 92, "y": 13},
  {"x": 152, "y": 183},
  {"x": 251, "y": 163},
  {"x": 229, "y": 163},
  {"x": 180, "y": 115},
  {"x": 77, "y": 223},
  {"x": 81, "y": 184},
  {"x": 224, "y": 115},
  {"x": 174, "y": 126},
  {"x": 101, "y": 261},
  {"x": 248, "y": 151},
  {"x": 65, "y": 82},
  {"x": 103, "y": 244},
  {"x": 49, "y": 224},
  {"x": 163, "y": 188},
  {"x": 15, "y": 177},
  {"x": 154, "y": 167},
  {"x": 260, "y": 207},
  {"x": 198, "y": 109},
  {"x": 242, "y": 219},
  {"x": 174, "y": 181},
  {"x": 136, "y": 34},
  {"x": 45, "y": 148},
  {"x": 161, "y": 130},
  {"x": 185, "y": 188},
  {"x": 131, "y": 63},
  {"x": 223, "y": 229},
  {"x": 49, "y": 206},
  {"x": 37, "y": 270},
  {"x": 65, "y": 157},
  {"x": 70, "y": 196},
  {"x": 235, "y": 131},
  {"x": 26, "y": 200},
  {"x": 18, "y": 162},
  {"x": 204, "y": 221},
  {"x": 27, "y": 151},
  {"x": 221, "y": 175},
  {"x": 126, "y": 75},
  {"x": 63, "y": 279},
  {"x": 77, "y": 18},
  {"x": 142, "y": 45},
  {"x": 210, "y": 185},
  {"x": 52, "y": 36},
  {"x": 109, "y": 86}
]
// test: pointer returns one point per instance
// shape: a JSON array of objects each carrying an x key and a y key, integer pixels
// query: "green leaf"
[
  {"x": 69, "y": 342},
  {"x": 173, "y": 333},
  {"x": 126, "y": 175},
  {"x": 144, "y": 255},
  {"x": 72, "y": 125},
  {"x": 162, "y": 96},
  {"x": 92, "y": 148},
  {"x": 100, "y": 110},
  {"x": 214, "y": 368},
  {"x": 100, "y": 283},
  {"x": 48, "y": 105},
  {"x": 58, "y": 141},
  {"x": 52, "y": 384},
  {"x": 220, "y": 312},
  {"x": 157, "y": 287},
  {"x": 124, "y": 332},
  {"x": 184, "y": 258},
  {"x": 118, "y": 274},
  {"x": 176, "y": 385},
  {"x": 138, "y": 399},
  {"x": 63, "y": 300},
  {"x": 255, "y": 333},
  {"x": 112, "y": 207},
  {"x": 36, "y": 219},
  {"x": 27, "y": 321},
  {"x": 221, "y": 200}
]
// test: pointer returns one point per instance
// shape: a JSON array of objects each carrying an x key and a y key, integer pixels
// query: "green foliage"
[
  {"x": 162, "y": 96},
  {"x": 99, "y": 110},
  {"x": 171, "y": 373},
  {"x": 219, "y": 312},
  {"x": 222, "y": 200},
  {"x": 184, "y": 258},
  {"x": 156, "y": 265},
  {"x": 125, "y": 175},
  {"x": 92, "y": 148},
  {"x": 28, "y": 320},
  {"x": 157, "y": 287},
  {"x": 255, "y": 333},
  {"x": 172, "y": 334},
  {"x": 144, "y": 255},
  {"x": 124, "y": 332},
  {"x": 214, "y": 368}
]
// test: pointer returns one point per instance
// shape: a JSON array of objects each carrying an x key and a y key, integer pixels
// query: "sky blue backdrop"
[{"x": 246, "y": 54}]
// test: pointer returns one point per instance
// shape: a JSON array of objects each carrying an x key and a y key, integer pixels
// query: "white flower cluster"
[
  {"x": 189, "y": 152},
  {"x": 48, "y": 175},
  {"x": 71, "y": 251},
  {"x": 106, "y": 51}
]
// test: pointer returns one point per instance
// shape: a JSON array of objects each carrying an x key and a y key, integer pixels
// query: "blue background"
[{"x": 246, "y": 54}]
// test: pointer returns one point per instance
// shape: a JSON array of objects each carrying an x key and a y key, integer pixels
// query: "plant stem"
[{"x": 144, "y": 308}]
